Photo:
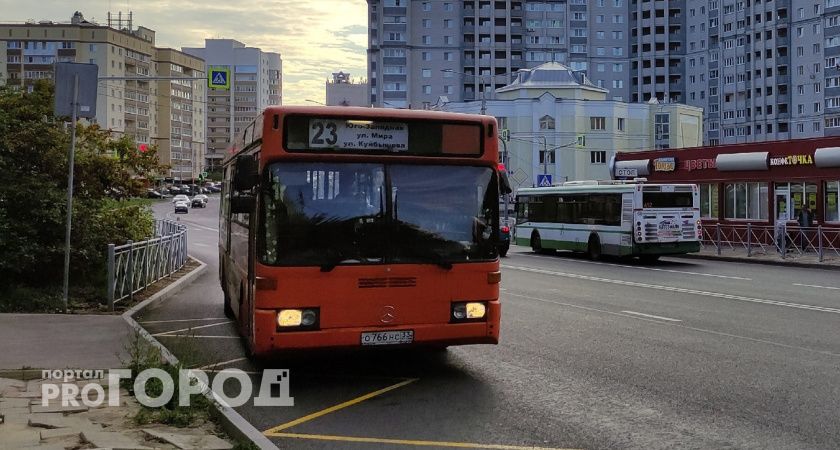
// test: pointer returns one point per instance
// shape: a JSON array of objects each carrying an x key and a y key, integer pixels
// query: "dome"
[{"x": 550, "y": 75}]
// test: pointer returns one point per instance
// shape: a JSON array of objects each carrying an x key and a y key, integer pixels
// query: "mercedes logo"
[{"x": 388, "y": 314}]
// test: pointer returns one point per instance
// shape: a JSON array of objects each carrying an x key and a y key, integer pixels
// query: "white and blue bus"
[{"x": 621, "y": 218}]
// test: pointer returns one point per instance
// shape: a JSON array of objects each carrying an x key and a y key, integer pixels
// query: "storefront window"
[
  {"x": 709, "y": 201},
  {"x": 832, "y": 192},
  {"x": 791, "y": 196},
  {"x": 746, "y": 201}
]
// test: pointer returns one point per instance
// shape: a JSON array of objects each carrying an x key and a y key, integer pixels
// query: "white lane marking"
[
  {"x": 713, "y": 275},
  {"x": 195, "y": 336},
  {"x": 652, "y": 316},
  {"x": 184, "y": 320},
  {"x": 164, "y": 333},
  {"x": 674, "y": 324},
  {"x": 815, "y": 286},
  {"x": 223, "y": 363},
  {"x": 676, "y": 289},
  {"x": 198, "y": 244}
]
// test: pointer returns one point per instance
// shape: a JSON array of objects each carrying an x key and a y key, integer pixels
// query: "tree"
[{"x": 33, "y": 192}]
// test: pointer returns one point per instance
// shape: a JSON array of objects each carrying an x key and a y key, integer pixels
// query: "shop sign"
[
  {"x": 791, "y": 160},
  {"x": 697, "y": 164},
  {"x": 665, "y": 164}
]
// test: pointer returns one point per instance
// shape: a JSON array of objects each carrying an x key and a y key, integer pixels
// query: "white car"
[
  {"x": 180, "y": 198},
  {"x": 201, "y": 197},
  {"x": 182, "y": 207}
]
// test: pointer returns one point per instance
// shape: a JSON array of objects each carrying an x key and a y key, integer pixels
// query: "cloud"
[{"x": 314, "y": 38}]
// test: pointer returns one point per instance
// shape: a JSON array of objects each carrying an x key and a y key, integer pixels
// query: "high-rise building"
[
  {"x": 256, "y": 82},
  {"x": 343, "y": 91},
  {"x": 169, "y": 114},
  {"x": 760, "y": 70}
]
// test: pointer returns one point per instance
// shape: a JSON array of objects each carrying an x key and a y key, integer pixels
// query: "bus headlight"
[
  {"x": 304, "y": 318},
  {"x": 469, "y": 311},
  {"x": 289, "y": 317}
]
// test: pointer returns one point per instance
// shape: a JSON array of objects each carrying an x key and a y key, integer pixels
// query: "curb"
[
  {"x": 234, "y": 424},
  {"x": 766, "y": 262}
]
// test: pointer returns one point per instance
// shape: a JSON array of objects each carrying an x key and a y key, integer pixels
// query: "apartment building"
[
  {"x": 422, "y": 53},
  {"x": 761, "y": 70},
  {"x": 133, "y": 106},
  {"x": 342, "y": 90},
  {"x": 256, "y": 83},
  {"x": 561, "y": 124}
]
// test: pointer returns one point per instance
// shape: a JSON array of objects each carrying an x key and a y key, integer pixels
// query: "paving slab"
[
  {"x": 18, "y": 419},
  {"x": 58, "y": 408},
  {"x": 11, "y": 382},
  {"x": 18, "y": 435},
  {"x": 22, "y": 394},
  {"x": 112, "y": 440},
  {"x": 186, "y": 441},
  {"x": 48, "y": 420},
  {"x": 60, "y": 433},
  {"x": 13, "y": 403},
  {"x": 52, "y": 446}
]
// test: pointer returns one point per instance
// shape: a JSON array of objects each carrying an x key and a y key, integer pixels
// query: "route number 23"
[{"x": 323, "y": 133}]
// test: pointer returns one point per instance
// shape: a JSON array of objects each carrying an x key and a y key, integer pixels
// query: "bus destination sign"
[{"x": 358, "y": 135}]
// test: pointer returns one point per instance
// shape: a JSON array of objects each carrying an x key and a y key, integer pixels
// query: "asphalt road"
[{"x": 683, "y": 353}]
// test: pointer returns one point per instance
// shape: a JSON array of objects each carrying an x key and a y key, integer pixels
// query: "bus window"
[{"x": 667, "y": 200}]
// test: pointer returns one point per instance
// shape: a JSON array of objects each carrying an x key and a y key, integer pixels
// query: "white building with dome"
[{"x": 563, "y": 125}]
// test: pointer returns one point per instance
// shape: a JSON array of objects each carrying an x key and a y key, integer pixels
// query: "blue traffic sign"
[
  {"x": 544, "y": 180},
  {"x": 218, "y": 78}
]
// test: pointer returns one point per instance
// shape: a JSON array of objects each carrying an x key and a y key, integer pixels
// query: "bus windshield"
[
  {"x": 668, "y": 200},
  {"x": 326, "y": 214}
]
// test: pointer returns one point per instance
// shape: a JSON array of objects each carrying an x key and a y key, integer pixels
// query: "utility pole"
[
  {"x": 66, "y": 281},
  {"x": 545, "y": 155}
]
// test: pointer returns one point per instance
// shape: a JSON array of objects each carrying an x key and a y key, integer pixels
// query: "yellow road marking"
[
  {"x": 322, "y": 437},
  {"x": 335, "y": 408}
]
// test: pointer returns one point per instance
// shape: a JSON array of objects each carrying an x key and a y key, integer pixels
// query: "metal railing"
[
  {"x": 132, "y": 267},
  {"x": 787, "y": 241}
]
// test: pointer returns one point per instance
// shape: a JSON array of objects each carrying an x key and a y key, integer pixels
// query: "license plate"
[{"x": 388, "y": 337}]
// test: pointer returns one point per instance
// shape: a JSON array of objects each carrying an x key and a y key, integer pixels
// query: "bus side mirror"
[
  {"x": 242, "y": 204},
  {"x": 504, "y": 183},
  {"x": 246, "y": 175}
]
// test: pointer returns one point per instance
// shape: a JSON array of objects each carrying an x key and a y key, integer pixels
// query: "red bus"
[{"x": 348, "y": 227}]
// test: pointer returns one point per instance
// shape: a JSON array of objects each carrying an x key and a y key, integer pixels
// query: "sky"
[{"x": 314, "y": 37}]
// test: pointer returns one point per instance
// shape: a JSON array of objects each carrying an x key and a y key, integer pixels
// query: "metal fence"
[
  {"x": 786, "y": 241},
  {"x": 134, "y": 266}
]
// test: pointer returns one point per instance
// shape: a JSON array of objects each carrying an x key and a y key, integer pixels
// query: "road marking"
[
  {"x": 677, "y": 289},
  {"x": 164, "y": 333},
  {"x": 196, "y": 337},
  {"x": 652, "y": 316},
  {"x": 815, "y": 286},
  {"x": 198, "y": 244},
  {"x": 223, "y": 363},
  {"x": 323, "y": 437},
  {"x": 729, "y": 277},
  {"x": 673, "y": 324},
  {"x": 184, "y": 320},
  {"x": 335, "y": 408}
]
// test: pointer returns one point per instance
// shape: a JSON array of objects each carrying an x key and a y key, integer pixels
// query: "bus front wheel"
[{"x": 594, "y": 247}]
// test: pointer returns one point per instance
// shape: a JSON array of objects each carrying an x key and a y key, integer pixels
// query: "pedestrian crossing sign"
[
  {"x": 544, "y": 180},
  {"x": 218, "y": 78}
]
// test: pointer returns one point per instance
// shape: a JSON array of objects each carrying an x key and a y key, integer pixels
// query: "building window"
[
  {"x": 547, "y": 123},
  {"x": 619, "y": 125},
  {"x": 598, "y": 157},
  {"x": 597, "y": 123},
  {"x": 832, "y": 191},
  {"x": 746, "y": 201},
  {"x": 709, "y": 203}
]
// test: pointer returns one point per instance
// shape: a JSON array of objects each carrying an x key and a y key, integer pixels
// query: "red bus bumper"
[{"x": 269, "y": 340}]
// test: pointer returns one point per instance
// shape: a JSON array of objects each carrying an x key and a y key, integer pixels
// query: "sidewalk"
[
  {"x": 772, "y": 257},
  {"x": 58, "y": 341}
]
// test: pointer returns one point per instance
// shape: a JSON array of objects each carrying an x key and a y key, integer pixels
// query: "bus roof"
[{"x": 608, "y": 187}]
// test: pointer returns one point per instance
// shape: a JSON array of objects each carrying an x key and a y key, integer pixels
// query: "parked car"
[
  {"x": 151, "y": 193},
  {"x": 164, "y": 193},
  {"x": 214, "y": 188},
  {"x": 182, "y": 207},
  {"x": 203, "y": 197},
  {"x": 180, "y": 198},
  {"x": 504, "y": 240}
]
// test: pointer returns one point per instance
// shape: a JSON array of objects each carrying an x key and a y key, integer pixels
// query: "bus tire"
[
  {"x": 593, "y": 248},
  {"x": 536, "y": 242},
  {"x": 228, "y": 310}
]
